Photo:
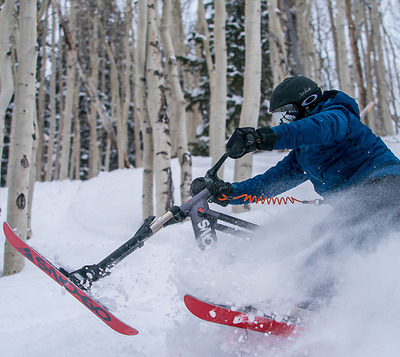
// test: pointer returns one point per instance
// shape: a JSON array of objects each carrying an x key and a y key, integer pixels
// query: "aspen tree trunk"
[
  {"x": 293, "y": 47},
  {"x": 316, "y": 67},
  {"x": 339, "y": 40},
  {"x": 116, "y": 104},
  {"x": 6, "y": 75},
  {"x": 42, "y": 101},
  {"x": 75, "y": 165},
  {"x": 202, "y": 28},
  {"x": 175, "y": 30},
  {"x": 393, "y": 72},
  {"x": 66, "y": 133},
  {"x": 334, "y": 34},
  {"x": 141, "y": 110},
  {"x": 132, "y": 57},
  {"x": 52, "y": 102},
  {"x": 370, "y": 118},
  {"x": 107, "y": 155},
  {"x": 20, "y": 157},
  {"x": 177, "y": 33},
  {"x": 121, "y": 123},
  {"x": 172, "y": 114},
  {"x": 137, "y": 133},
  {"x": 156, "y": 106},
  {"x": 383, "y": 112},
  {"x": 185, "y": 158},
  {"x": 61, "y": 101},
  {"x": 217, "y": 74},
  {"x": 252, "y": 85},
  {"x": 126, "y": 82},
  {"x": 219, "y": 87},
  {"x": 308, "y": 54},
  {"x": 362, "y": 96},
  {"x": 342, "y": 50},
  {"x": 325, "y": 63},
  {"x": 192, "y": 81},
  {"x": 194, "y": 116},
  {"x": 301, "y": 30},
  {"x": 278, "y": 55},
  {"x": 94, "y": 154}
]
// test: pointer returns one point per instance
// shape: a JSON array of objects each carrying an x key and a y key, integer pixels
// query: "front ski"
[
  {"x": 36, "y": 258},
  {"x": 225, "y": 316}
]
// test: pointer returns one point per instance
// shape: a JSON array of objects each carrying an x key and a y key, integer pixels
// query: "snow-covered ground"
[{"x": 79, "y": 223}]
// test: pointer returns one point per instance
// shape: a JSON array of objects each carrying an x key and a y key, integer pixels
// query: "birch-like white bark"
[
  {"x": 179, "y": 103},
  {"x": 156, "y": 106},
  {"x": 6, "y": 75},
  {"x": 22, "y": 134},
  {"x": 66, "y": 133},
  {"x": 141, "y": 110},
  {"x": 252, "y": 84},
  {"x": 218, "y": 89}
]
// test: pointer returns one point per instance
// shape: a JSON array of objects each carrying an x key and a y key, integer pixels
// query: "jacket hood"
[{"x": 335, "y": 98}]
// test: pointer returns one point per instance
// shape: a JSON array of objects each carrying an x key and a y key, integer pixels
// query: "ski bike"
[{"x": 205, "y": 222}]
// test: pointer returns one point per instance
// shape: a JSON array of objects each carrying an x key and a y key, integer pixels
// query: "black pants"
[{"x": 362, "y": 217}]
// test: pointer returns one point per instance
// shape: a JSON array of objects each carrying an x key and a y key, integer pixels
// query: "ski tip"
[
  {"x": 189, "y": 300},
  {"x": 11, "y": 235},
  {"x": 129, "y": 331},
  {"x": 195, "y": 306},
  {"x": 6, "y": 226},
  {"x": 7, "y": 230}
]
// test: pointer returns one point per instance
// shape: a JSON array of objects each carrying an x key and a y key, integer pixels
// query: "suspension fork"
[{"x": 88, "y": 274}]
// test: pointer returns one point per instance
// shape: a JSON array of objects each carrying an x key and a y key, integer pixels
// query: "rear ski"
[{"x": 225, "y": 316}]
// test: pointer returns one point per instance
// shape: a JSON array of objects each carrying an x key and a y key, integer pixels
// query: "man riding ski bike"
[{"x": 348, "y": 165}]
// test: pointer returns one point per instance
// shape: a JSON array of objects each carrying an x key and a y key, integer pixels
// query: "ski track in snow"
[{"x": 79, "y": 223}]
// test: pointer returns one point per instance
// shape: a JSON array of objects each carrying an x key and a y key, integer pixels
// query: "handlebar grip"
[{"x": 217, "y": 166}]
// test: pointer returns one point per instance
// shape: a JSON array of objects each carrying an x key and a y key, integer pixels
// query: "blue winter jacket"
[{"x": 331, "y": 147}]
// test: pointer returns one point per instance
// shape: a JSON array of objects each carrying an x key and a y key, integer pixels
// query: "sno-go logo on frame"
[
  {"x": 206, "y": 236},
  {"x": 63, "y": 281}
]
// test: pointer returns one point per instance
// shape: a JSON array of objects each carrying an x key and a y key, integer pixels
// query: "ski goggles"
[{"x": 285, "y": 114}]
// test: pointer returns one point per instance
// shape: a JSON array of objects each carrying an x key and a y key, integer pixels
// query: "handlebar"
[{"x": 213, "y": 171}]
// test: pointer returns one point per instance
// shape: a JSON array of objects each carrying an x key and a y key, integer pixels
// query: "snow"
[{"x": 79, "y": 223}]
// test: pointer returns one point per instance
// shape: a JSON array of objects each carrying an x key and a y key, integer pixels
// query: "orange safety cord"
[{"x": 272, "y": 200}]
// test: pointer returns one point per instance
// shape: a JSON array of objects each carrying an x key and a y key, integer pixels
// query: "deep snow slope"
[{"x": 79, "y": 223}]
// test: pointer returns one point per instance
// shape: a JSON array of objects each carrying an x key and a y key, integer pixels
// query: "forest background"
[{"x": 89, "y": 86}]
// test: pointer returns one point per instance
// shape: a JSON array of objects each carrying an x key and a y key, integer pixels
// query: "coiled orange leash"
[{"x": 272, "y": 200}]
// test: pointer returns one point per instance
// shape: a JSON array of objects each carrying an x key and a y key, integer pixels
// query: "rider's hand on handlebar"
[
  {"x": 245, "y": 140},
  {"x": 242, "y": 141},
  {"x": 218, "y": 188}
]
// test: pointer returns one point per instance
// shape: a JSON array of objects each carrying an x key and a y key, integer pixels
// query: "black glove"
[
  {"x": 218, "y": 188},
  {"x": 245, "y": 140},
  {"x": 242, "y": 141}
]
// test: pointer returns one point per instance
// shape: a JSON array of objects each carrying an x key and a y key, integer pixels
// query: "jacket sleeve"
[
  {"x": 318, "y": 129},
  {"x": 285, "y": 175}
]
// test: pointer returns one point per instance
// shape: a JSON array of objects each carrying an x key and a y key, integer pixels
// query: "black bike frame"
[{"x": 205, "y": 222}]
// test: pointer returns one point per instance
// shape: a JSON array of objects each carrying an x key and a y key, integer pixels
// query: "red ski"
[
  {"x": 225, "y": 316},
  {"x": 36, "y": 258}
]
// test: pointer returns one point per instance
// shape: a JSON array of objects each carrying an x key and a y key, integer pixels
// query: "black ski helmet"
[{"x": 300, "y": 91}]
